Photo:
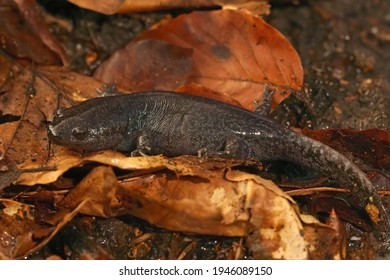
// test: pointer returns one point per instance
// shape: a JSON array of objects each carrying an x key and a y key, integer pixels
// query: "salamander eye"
[{"x": 79, "y": 133}]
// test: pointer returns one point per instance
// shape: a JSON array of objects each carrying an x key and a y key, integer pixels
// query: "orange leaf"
[{"x": 234, "y": 53}]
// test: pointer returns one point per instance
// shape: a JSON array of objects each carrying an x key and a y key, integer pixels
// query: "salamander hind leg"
[
  {"x": 234, "y": 148},
  {"x": 263, "y": 107},
  {"x": 144, "y": 144}
]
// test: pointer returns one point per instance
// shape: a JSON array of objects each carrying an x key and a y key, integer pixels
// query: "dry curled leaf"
[
  {"x": 195, "y": 195},
  {"x": 233, "y": 53},
  {"x": 215, "y": 202},
  {"x": 65, "y": 159}
]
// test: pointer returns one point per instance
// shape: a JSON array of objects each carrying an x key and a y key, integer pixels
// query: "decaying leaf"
[
  {"x": 237, "y": 63},
  {"x": 17, "y": 229},
  {"x": 110, "y": 7},
  {"x": 7, "y": 68},
  {"x": 21, "y": 234}
]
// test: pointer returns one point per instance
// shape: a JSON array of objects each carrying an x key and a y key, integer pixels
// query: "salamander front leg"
[{"x": 144, "y": 144}]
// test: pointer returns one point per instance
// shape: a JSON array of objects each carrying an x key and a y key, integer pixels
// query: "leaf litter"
[{"x": 202, "y": 196}]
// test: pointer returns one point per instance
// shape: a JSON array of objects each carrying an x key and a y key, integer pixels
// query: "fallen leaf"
[
  {"x": 65, "y": 159},
  {"x": 154, "y": 65},
  {"x": 323, "y": 239},
  {"x": 200, "y": 90},
  {"x": 234, "y": 53},
  {"x": 7, "y": 69},
  {"x": 8, "y": 172},
  {"x": 335, "y": 222},
  {"x": 24, "y": 34},
  {"x": 17, "y": 229},
  {"x": 110, "y": 7},
  {"x": 215, "y": 202},
  {"x": 31, "y": 100},
  {"x": 346, "y": 210},
  {"x": 23, "y": 232}
]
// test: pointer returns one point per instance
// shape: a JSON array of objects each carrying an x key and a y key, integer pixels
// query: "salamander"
[{"x": 176, "y": 124}]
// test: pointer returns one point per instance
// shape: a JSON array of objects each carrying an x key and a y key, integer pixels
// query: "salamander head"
[{"x": 88, "y": 127}]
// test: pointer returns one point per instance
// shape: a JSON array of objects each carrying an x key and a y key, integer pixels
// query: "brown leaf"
[
  {"x": 64, "y": 159},
  {"x": 7, "y": 69},
  {"x": 200, "y": 90},
  {"x": 125, "y": 6},
  {"x": 24, "y": 34},
  {"x": 326, "y": 202},
  {"x": 18, "y": 229},
  {"x": 154, "y": 65},
  {"x": 31, "y": 99},
  {"x": 335, "y": 222},
  {"x": 22, "y": 233},
  {"x": 96, "y": 192},
  {"x": 8, "y": 172},
  {"x": 323, "y": 239},
  {"x": 234, "y": 53}
]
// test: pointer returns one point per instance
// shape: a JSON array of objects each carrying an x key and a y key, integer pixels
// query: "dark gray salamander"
[{"x": 177, "y": 124}]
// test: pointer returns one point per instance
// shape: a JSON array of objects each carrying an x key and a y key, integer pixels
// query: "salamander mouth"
[{"x": 55, "y": 137}]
